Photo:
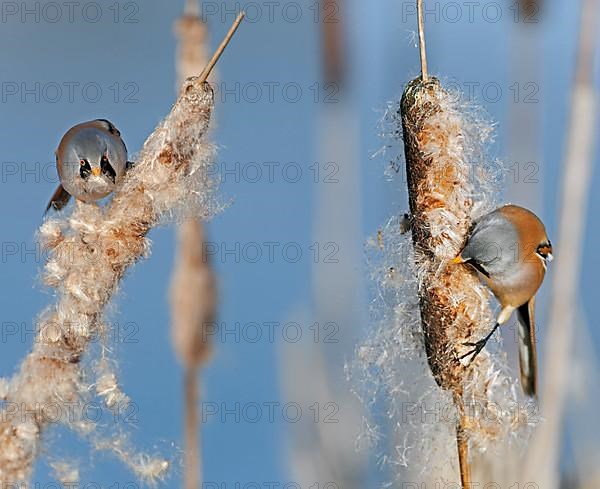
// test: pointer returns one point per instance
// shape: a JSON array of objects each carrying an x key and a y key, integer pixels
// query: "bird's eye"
[
  {"x": 544, "y": 250},
  {"x": 84, "y": 169}
]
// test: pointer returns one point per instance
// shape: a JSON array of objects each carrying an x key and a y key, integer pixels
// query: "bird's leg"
[{"x": 478, "y": 345}]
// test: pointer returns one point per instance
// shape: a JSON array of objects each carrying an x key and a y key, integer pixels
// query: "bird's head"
[
  {"x": 91, "y": 161},
  {"x": 532, "y": 234}
]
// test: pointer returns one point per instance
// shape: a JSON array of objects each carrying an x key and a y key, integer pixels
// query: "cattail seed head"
[
  {"x": 89, "y": 251},
  {"x": 193, "y": 297}
]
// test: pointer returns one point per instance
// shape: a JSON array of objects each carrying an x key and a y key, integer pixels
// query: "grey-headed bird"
[
  {"x": 91, "y": 159},
  {"x": 510, "y": 249}
]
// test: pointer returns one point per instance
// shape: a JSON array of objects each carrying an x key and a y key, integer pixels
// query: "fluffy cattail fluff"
[
  {"x": 453, "y": 302},
  {"x": 89, "y": 252},
  {"x": 428, "y": 308}
]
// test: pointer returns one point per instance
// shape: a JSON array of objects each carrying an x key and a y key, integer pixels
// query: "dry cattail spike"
[
  {"x": 89, "y": 252},
  {"x": 333, "y": 49},
  {"x": 452, "y": 301},
  {"x": 434, "y": 303},
  {"x": 529, "y": 10},
  {"x": 439, "y": 197},
  {"x": 193, "y": 297},
  {"x": 193, "y": 286}
]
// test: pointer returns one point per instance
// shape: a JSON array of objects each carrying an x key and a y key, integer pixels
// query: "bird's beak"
[
  {"x": 549, "y": 257},
  {"x": 96, "y": 171},
  {"x": 458, "y": 259}
]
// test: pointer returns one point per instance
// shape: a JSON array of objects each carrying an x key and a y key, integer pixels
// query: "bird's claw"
[{"x": 478, "y": 346}]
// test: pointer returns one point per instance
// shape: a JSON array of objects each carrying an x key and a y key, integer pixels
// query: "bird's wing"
[
  {"x": 59, "y": 199},
  {"x": 106, "y": 125},
  {"x": 478, "y": 266},
  {"x": 527, "y": 353},
  {"x": 488, "y": 242}
]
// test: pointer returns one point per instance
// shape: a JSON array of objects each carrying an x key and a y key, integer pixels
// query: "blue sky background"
[{"x": 138, "y": 58}]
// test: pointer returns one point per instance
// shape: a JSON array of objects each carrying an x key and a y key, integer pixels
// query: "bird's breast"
[{"x": 517, "y": 286}]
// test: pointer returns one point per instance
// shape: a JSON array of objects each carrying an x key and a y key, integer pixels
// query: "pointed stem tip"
[
  {"x": 213, "y": 61},
  {"x": 422, "y": 52}
]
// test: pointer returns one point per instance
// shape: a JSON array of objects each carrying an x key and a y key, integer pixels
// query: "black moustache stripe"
[{"x": 108, "y": 170}]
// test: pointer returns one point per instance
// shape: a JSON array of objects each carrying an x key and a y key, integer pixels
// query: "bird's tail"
[
  {"x": 59, "y": 199},
  {"x": 527, "y": 352}
]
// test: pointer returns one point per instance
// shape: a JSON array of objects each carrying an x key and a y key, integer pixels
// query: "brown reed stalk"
[
  {"x": 193, "y": 308},
  {"x": 89, "y": 252},
  {"x": 193, "y": 467},
  {"x": 422, "y": 49},
  {"x": 219, "y": 51},
  {"x": 193, "y": 290}
]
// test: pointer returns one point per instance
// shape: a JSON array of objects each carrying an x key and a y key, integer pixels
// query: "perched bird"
[
  {"x": 510, "y": 249},
  {"x": 91, "y": 159}
]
